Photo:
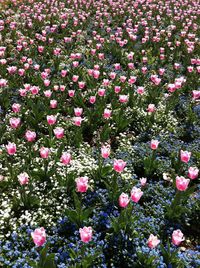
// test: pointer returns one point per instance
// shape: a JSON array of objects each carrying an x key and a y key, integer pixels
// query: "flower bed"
[{"x": 99, "y": 133}]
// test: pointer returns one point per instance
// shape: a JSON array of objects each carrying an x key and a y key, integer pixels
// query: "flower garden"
[{"x": 99, "y": 133}]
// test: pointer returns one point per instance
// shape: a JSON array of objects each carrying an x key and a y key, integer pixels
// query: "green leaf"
[
  {"x": 105, "y": 171},
  {"x": 72, "y": 254},
  {"x": 77, "y": 202},
  {"x": 72, "y": 215},
  {"x": 43, "y": 255},
  {"x": 49, "y": 261},
  {"x": 86, "y": 213},
  {"x": 32, "y": 263}
]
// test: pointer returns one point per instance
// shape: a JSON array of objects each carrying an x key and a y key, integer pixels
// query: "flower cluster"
[{"x": 99, "y": 133}]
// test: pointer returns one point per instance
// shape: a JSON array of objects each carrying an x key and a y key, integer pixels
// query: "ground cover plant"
[{"x": 99, "y": 133}]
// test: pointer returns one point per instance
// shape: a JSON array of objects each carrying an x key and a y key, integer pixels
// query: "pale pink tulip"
[
  {"x": 16, "y": 107},
  {"x": 51, "y": 119},
  {"x": 154, "y": 144},
  {"x": 14, "y": 122},
  {"x": 153, "y": 241},
  {"x": 107, "y": 113},
  {"x": 124, "y": 200},
  {"x": 23, "y": 178},
  {"x": 143, "y": 181},
  {"x": 177, "y": 237},
  {"x": 193, "y": 173},
  {"x": 86, "y": 234},
  {"x": 30, "y": 135},
  {"x": 185, "y": 156},
  {"x": 182, "y": 183},
  {"x": 65, "y": 158},
  {"x": 59, "y": 132},
  {"x": 136, "y": 194},
  {"x": 82, "y": 184},
  {"x": 11, "y": 148},
  {"x": 119, "y": 165},
  {"x": 44, "y": 152},
  {"x": 105, "y": 151},
  {"x": 39, "y": 236}
]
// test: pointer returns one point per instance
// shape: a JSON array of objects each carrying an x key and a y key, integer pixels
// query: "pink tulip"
[
  {"x": 40, "y": 49},
  {"x": 107, "y": 113},
  {"x": 92, "y": 99},
  {"x": 182, "y": 183},
  {"x": 23, "y": 178},
  {"x": 3, "y": 83},
  {"x": 106, "y": 82},
  {"x": 56, "y": 88},
  {"x": 123, "y": 98},
  {"x": 34, "y": 90},
  {"x": 71, "y": 93},
  {"x": 144, "y": 70},
  {"x": 12, "y": 69},
  {"x": 153, "y": 241},
  {"x": 171, "y": 87},
  {"x": 75, "y": 64},
  {"x": 151, "y": 108},
  {"x": 11, "y": 148},
  {"x": 177, "y": 237},
  {"x": 77, "y": 121},
  {"x": 119, "y": 165},
  {"x": 75, "y": 78},
  {"x": 62, "y": 88},
  {"x": 30, "y": 135},
  {"x": 117, "y": 89},
  {"x": 65, "y": 158},
  {"x": 117, "y": 66},
  {"x": 53, "y": 104},
  {"x": 51, "y": 119},
  {"x": 132, "y": 80},
  {"x": 140, "y": 90},
  {"x": 124, "y": 200},
  {"x": 96, "y": 74},
  {"x": 86, "y": 234},
  {"x": 185, "y": 156},
  {"x": 143, "y": 181},
  {"x": 193, "y": 173},
  {"x": 190, "y": 69},
  {"x": 14, "y": 122},
  {"x": 21, "y": 72},
  {"x": 105, "y": 151},
  {"x": 101, "y": 92},
  {"x": 39, "y": 236},
  {"x": 161, "y": 71},
  {"x": 131, "y": 66},
  {"x": 123, "y": 78},
  {"x": 81, "y": 84},
  {"x": 112, "y": 75},
  {"x": 47, "y": 82},
  {"x": 59, "y": 132},
  {"x": 78, "y": 111},
  {"x": 63, "y": 73},
  {"x": 82, "y": 184},
  {"x": 16, "y": 107},
  {"x": 136, "y": 194},
  {"x": 44, "y": 152},
  {"x": 48, "y": 93},
  {"x": 195, "y": 94},
  {"x": 154, "y": 144}
]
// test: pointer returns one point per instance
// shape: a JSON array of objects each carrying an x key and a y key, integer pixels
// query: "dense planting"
[{"x": 99, "y": 133}]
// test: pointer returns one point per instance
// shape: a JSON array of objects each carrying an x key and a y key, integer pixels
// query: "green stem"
[
  {"x": 50, "y": 136},
  {"x": 45, "y": 167},
  {"x": 10, "y": 168}
]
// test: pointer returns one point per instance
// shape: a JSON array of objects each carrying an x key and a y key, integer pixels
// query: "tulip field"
[{"x": 100, "y": 133}]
